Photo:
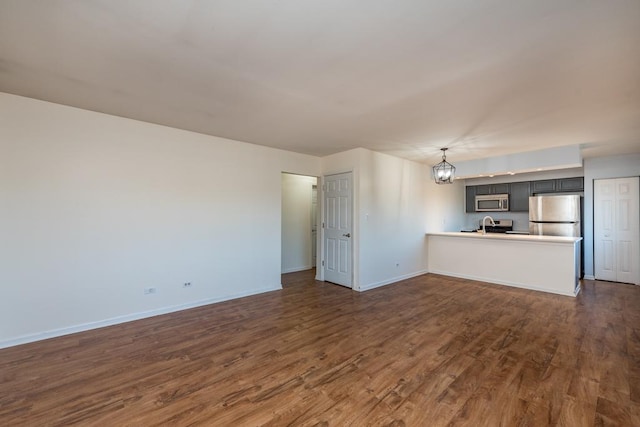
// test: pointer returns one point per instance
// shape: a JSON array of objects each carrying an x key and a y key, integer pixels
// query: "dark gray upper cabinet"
[
  {"x": 519, "y": 196},
  {"x": 500, "y": 188},
  {"x": 544, "y": 186},
  {"x": 570, "y": 184},
  {"x": 483, "y": 189},
  {"x": 470, "y": 198},
  {"x": 558, "y": 185},
  {"x": 519, "y": 192},
  {"x": 492, "y": 189},
  {"x": 471, "y": 191}
]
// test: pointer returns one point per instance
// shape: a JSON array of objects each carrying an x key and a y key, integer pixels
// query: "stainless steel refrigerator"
[{"x": 557, "y": 215}]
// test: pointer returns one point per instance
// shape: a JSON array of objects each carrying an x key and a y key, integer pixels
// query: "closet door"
[{"x": 617, "y": 230}]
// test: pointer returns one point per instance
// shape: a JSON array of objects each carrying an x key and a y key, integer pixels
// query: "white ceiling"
[{"x": 404, "y": 77}]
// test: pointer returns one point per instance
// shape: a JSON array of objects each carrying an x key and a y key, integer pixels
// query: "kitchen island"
[{"x": 542, "y": 263}]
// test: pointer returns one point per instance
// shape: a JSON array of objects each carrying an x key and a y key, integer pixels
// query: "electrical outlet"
[
  {"x": 148, "y": 291},
  {"x": 186, "y": 285}
]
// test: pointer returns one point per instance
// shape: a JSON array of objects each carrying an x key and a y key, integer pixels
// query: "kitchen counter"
[
  {"x": 543, "y": 263},
  {"x": 505, "y": 236}
]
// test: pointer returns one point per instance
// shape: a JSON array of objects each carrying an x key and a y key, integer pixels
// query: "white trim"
[
  {"x": 589, "y": 277},
  {"x": 127, "y": 318},
  {"x": 390, "y": 281},
  {"x": 295, "y": 269}
]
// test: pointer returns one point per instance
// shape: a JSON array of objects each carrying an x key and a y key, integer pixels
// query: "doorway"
[
  {"x": 314, "y": 225},
  {"x": 298, "y": 222},
  {"x": 338, "y": 229},
  {"x": 616, "y": 230}
]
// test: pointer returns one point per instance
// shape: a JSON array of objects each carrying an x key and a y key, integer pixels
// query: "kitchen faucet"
[{"x": 484, "y": 229}]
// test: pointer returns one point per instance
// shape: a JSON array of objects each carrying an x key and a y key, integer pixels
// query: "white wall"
[
  {"x": 531, "y": 176},
  {"x": 390, "y": 214},
  {"x": 601, "y": 168},
  {"x": 563, "y": 157},
  {"x": 445, "y": 206},
  {"x": 94, "y": 208},
  {"x": 296, "y": 222}
]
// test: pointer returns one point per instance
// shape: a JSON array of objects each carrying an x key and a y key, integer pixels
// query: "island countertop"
[
  {"x": 511, "y": 237},
  {"x": 542, "y": 263}
]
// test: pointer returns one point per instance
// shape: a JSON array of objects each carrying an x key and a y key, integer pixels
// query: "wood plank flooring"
[{"x": 429, "y": 351}]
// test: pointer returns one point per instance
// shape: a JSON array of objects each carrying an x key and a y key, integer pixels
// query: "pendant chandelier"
[{"x": 444, "y": 172}]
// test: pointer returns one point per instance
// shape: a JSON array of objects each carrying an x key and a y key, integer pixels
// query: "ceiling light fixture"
[{"x": 444, "y": 172}]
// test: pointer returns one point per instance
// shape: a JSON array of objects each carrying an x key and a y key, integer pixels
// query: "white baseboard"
[
  {"x": 127, "y": 318},
  {"x": 295, "y": 269},
  {"x": 503, "y": 283},
  {"x": 589, "y": 277},
  {"x": 390, "y": 281}
]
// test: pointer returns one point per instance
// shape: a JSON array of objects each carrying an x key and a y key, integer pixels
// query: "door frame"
[
  {"x": 355, "y": 284},
  {"x": 318, "y": 219},
  {"x": 635, "y": 242}
]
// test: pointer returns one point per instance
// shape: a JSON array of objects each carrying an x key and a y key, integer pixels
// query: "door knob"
[{"x": 347, "y": 235}]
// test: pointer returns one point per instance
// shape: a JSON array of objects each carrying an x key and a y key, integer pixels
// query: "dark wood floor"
[{"x": 429, "y": 351}]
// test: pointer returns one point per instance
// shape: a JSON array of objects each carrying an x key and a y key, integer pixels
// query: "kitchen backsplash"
[{"x": 520, "y": 219}]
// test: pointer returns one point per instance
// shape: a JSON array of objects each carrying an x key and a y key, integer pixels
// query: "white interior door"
[
  {"x": 314, "y": 224},
  {"x": 617, "y": 230},
  {"x": 627, "y": 230},
  {"x": 338, "y": 231},
  {"x": 604, "y": 229}
]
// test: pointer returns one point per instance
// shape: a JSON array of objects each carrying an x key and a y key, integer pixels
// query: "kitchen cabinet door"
[
  {"x": 570, "y": 184},
  {"x": 544, "y": 186},
  {"x": 558, "y": 185},
  {"x": 519, "y": 196},
  {"x": 482, "y": 190},
  {"x": 500, "y": 188},
  {"x": 492, "y": 189},
  {"x": 470, "y": 199}
]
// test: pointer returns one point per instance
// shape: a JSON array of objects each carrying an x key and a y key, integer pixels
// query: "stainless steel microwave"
[{"x": 492, "y": 203}]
